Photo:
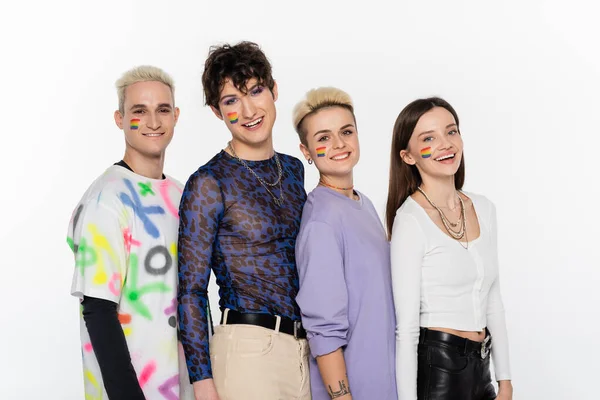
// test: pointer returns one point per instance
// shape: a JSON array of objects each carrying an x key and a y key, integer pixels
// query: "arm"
[
  {"x": 333, "y": 372},
  {"x": 101, "y": 268},
  {"x": 200, "y": 211},
  {"x": 407, "y": 251},
  {"x": 110, "y": 347},
  {"x": 497, "y": 323},
  {"x": 323, "y": 302}
]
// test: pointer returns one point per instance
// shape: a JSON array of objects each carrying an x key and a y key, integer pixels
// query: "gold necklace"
[
  {"x": 334, "y": 187},
  {"x": 462, "y": 232}
]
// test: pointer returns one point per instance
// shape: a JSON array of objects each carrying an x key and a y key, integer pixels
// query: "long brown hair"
[{"x": 405, "y": 178}]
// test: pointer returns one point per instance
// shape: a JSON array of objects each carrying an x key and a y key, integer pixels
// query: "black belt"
[
  {"x": 465, "y": 345},
  {"x": 268, "y": 321}
]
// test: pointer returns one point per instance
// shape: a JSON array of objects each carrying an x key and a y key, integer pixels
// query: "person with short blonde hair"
[
  {"x": 343, "y": 260},
  {"x": 122, "y": 233}
]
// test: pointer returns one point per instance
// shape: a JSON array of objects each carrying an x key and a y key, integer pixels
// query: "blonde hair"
[
  {"x": 316, "y": 100},
  {"x": 143, "y": 73}
]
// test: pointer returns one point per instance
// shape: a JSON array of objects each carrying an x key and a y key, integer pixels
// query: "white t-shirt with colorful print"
[{"x": 124, "y": 236}]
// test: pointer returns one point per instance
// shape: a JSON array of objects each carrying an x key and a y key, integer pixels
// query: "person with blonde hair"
[
  {"x": 123, "y": 232},
  {"x": 343, "y": 260}
]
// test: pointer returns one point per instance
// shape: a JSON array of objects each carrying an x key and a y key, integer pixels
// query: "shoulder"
[
  {"x": 291, "y": 161},
  {"x": 107, "y": 188},
  {"x": 483, "y": 205},
  {"x": 322, "y": 206},
  {"x": 171, "y": 180}
]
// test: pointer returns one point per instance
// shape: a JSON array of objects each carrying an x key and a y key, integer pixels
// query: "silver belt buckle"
[{"x": 485, "y": 350}]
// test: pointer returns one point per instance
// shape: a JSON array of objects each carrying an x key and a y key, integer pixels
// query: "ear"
[
  {"x": 176, "y": 115},
  {"x": 407, "y": 158},
  {"x": 217, "y": 112},
  {"x": 305, "y": 151},
  {"x": 119, "y": 119},
  {"x": 275, "y": 91}
]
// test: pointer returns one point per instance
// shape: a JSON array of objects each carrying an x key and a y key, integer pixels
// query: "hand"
[
  {"x": 505, "y": 390},
  {"x": 205, "y": 390}
]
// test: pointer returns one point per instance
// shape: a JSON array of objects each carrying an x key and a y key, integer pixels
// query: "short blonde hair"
[
  {"x": 143, "y": 73},
  {"x": 316, "y": 100}
]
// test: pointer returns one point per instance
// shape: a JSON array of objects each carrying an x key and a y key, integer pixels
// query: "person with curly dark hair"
[{"x": 239, "y": 217}]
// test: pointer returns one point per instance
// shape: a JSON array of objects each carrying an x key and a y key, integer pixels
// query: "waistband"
[
  {"x": 274, "y": 322},
  {"x": 465, "y": 346}
]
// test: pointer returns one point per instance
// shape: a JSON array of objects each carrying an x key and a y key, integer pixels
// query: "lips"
[
  {"x": 447, "y": 158},
  {"x": 341, "y": 156},
  {"x": 254, "y": 124},
  {"x": 152, "y": 135}
]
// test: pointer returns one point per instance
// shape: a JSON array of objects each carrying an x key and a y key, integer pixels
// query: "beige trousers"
[{"x": 254, "y": 363}]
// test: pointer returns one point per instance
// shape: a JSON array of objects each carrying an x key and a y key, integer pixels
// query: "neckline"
[
  {"x": 231, "y": 158},
  {"x": 131, "y": 173},
  {"x": 470, "y": 242},
  {"x": 355, "y": 203}
]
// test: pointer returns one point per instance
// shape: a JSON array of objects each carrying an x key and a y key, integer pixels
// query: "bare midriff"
[{"x": 474, "y": 336}]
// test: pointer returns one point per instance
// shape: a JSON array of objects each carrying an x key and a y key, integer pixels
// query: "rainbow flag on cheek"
[
  {"x": 233, "y": 117},
  {"x": 321, "y": 151},
  {"x": 426, "y": 152},
  {"x": 134, "y": 124}
]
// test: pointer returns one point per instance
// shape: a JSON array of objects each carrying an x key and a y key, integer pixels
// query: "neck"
[
  {"x": 252, "y": 151},
  {"x": 150, "y": 167},
  {"x": 342, "y": 184},
  {"x": 440, "y": 190}
]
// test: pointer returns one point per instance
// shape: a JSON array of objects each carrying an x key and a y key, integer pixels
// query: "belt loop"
[
  {"x": 277, "y": 323},
  {"x": 465, "y": 347},
  {"x": 422, "y": 335},
  {"x": 225, "y": 313}
]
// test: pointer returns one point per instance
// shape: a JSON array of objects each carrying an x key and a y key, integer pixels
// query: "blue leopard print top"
[{"x": 229, "y": 223}]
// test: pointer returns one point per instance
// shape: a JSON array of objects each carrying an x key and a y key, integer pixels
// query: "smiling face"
[
  {"x": 331, "y": 141},
  {"x": 148, "y": 119},
  {"x": 436, "y": 146},
  {"x": 249, "y": 116}
]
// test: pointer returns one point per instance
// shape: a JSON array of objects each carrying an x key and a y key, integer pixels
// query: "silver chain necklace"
[{"x": 278, "y": 200}]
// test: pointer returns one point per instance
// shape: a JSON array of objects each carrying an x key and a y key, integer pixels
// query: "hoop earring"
[{"x": 310, "y": 161}]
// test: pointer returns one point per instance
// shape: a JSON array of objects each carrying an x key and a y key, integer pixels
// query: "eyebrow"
[
  {"x": 431, "y": 131},
  {"x": 233, "y": 95},
  {"x": 329, "y": 131},
  {"x": 162, "y": 105}
]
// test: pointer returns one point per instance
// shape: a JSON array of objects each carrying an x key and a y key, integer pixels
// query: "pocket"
[
  {"x": 254, "y": 347},
  {"x": 447, "y": 359}
]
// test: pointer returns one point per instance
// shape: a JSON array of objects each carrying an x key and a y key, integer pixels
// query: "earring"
[{"x": 309, "y": 161}]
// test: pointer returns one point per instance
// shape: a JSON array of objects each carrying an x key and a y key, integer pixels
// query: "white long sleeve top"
[{"x": 438, "y": 283}]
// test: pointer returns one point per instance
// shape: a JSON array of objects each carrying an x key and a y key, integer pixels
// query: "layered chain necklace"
[
  {"x": 278, "y": 200},
  {"x": 450, "y": 226}
]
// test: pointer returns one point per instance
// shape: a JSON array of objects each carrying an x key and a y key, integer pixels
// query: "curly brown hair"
[{"x": 238, "y": 63}]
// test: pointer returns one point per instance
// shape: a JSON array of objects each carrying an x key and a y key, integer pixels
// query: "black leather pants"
[{"x": 453, "y": 368}]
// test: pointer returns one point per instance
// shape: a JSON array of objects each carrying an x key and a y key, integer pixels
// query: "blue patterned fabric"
[{"x": 230, "y": 223}]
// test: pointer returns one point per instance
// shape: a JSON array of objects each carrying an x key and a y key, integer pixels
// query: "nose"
[
  {"x": 153, "y": 121},
  {"x": 338, "y": 142},
  {"x": 248, "y": 107}
]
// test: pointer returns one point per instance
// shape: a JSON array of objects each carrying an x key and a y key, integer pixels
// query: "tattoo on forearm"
[{"x": 344, "y": 389}]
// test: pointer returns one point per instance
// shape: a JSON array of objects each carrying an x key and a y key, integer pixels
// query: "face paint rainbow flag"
[
  {"x": 321, "y": 151},
  {"x": 134, "y": 124},
  {"x": 233, "y": 118},
  {"x": 426, "y": 152}
]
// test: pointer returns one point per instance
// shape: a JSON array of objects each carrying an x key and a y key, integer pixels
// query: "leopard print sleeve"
[{"x": 200, "y": 212}]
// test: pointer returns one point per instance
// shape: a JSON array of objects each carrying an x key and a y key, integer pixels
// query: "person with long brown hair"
[{"x": 444, "y": 261}]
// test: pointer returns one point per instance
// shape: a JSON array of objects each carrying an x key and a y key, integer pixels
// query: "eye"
[
  {"x": 453, "y": 132},
  {"x": 428, "y": 139},
  {"x": 164, "y": 110},
  {"x": 323, "y": 138},
  {"x": 348, "y": 132},
  {"x": 230, "y": 101},
  {"x": 257, "y": 90},
  {"x": 138, "y": 111}
]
